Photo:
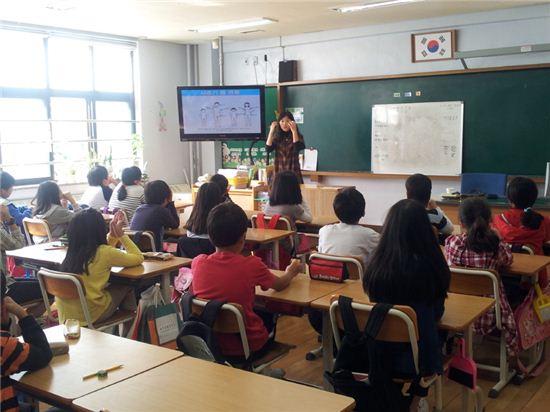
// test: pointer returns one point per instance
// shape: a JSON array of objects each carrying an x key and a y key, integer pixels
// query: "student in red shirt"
[
  {"x": 521, "y": 225},
  {"x": 229, "y": 276}
]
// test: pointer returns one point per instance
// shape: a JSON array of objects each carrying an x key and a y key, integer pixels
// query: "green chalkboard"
[
  {"x": 236, "y": 152},
  {"x": 506, "y": 117}
]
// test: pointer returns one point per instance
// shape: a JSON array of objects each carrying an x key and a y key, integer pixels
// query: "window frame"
[{"x": 90, "y": 96}]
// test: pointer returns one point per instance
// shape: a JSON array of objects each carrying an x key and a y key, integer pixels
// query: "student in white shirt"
[
  {"x": 98, "y": 193},
  {"x": 129, "y": 193},
  {"x": 348, "y": 238}
]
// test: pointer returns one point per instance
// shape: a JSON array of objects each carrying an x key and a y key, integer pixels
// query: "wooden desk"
[
  {"x": 527, "y": 265},
  {"x": 196, "y": 385},
  {"x": 181, "y": 205},
  {"x": 302, "y": 290},
  {"x": 41, "y": 256},
  {"x": 61, "y": 381}
]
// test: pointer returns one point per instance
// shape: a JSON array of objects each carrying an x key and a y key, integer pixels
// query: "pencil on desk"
[{"x": 101, "y": 371}]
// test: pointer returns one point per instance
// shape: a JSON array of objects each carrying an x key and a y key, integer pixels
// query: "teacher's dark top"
[{"x": 286, "y": 153}]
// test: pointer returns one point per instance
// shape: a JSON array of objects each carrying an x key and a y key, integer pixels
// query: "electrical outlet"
[
  {"x": 255, "y": 60},
  {"x": 247, "y": 61}
]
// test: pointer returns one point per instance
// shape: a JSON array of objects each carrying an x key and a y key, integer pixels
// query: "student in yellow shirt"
[{"x": 92, "y": 254}]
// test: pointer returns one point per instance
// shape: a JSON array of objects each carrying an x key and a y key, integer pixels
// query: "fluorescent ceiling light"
[
  {"x": 365, "y": 6},
  {"x": 234, "y": 25}
]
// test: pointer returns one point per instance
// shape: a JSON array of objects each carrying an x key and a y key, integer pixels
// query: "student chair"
[
  {"x": 355, "y": 271},
  {"x": 36, "y": 227},
  {"x": 485, "y": 282},
  {"x": 231, "y": 320},
  {"x": 70, "y": 286},
  {"x": 283, "y": 224},
  {"x": 144, "y": 240},
  {"x": 399, "y": 326},
  {"x": 354, "y": 266},
  {"x": 491, "y": 184}
]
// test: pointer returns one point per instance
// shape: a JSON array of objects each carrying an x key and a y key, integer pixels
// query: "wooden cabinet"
[
  {"x": 320, "y": 198},
  {"x": 248, "y": 199}
]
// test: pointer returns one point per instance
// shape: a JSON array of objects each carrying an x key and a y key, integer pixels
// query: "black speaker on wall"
[{"x": 288, "y": 71}]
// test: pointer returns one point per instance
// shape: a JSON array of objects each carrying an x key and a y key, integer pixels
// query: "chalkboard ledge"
[{"x": 318, "y": 175}]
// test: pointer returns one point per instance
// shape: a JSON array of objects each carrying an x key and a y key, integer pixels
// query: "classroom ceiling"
[{"x": 171, "y": 20}]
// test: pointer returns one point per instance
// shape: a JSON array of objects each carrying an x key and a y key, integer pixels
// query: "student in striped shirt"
[
  {"x": 34, "y": 353},
  {"x": 129, "y": 193}
]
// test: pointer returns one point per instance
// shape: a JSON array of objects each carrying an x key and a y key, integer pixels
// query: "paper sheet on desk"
[{"x": 310, "y": 159}]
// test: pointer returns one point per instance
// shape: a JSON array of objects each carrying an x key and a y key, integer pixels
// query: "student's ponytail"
[
  {"x": 475, "y": 214},
  {"x": 480, "y": 237},
  {"x": 129, "y": 177},
  {"x": 122, "y": 193},
  {"x": 522, "y": 192},
  {"x": 531, "y": 219}
]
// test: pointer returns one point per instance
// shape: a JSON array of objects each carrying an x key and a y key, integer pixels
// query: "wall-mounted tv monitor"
[{"x": 221, "y": 112}]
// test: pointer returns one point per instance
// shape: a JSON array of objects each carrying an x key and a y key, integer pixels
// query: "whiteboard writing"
[{"x": 417, "y": 138}]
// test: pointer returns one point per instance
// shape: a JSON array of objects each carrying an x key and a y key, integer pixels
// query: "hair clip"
[{"x": 527, "y": 209}]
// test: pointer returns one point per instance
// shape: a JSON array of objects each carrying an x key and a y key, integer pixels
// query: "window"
[{"x": 71, "y": 100}]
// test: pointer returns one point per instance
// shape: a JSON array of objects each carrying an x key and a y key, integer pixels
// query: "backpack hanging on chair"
[
  {"x": 197, "y": 337},
  {"x": 266, "y": 254}
]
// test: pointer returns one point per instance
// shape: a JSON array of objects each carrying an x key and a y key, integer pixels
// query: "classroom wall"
[
  {"x": 162, "y": 67},
  {"x": 385, "y": 49}
]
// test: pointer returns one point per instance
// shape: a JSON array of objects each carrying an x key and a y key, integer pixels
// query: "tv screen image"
[{"x": 221, "y": 113}]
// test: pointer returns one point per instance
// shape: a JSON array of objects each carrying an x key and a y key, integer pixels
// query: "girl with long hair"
[
  {"x": 91, "y": 254},
  {"x": 128, "y": 195},
  {"x": 286, "y": 141}
]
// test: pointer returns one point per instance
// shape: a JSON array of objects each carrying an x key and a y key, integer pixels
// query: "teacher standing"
[{"x": 285, "y": 139}]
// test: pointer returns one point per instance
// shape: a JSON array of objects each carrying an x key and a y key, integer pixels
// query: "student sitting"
[
  {"x": 31, "y": 354},
  {"x": 480, "y": 247},
  {"x": 20, "y": 290},
  {"x": 7, "y": 182},
  {"x": 223, "y": 184},
  {"x": 521, "y": 225},
  {"x": 197, "y": 241},
  {"x": 128, "y": 194},
  {"x": 419, "y": 188},
  {"x": 348, "y": 238},
  {"x": 408, "y": 268},
  {"x": 51, "y": 206},
  {"x": 91, "y": 254},
  {"x": 98, "y": 193},
  {"x": 285, "y": 198},
  {"x": 229, "y": 276},
  {"x": 157, "y": 213}
]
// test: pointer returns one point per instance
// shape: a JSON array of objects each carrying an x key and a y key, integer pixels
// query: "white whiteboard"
[{"x": 417, "y": 138}]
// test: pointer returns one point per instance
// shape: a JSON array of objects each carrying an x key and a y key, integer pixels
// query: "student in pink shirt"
[{"x": 229, "y": 276}]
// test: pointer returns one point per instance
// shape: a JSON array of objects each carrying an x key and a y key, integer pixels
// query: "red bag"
[{"x": 328, "y": 270}]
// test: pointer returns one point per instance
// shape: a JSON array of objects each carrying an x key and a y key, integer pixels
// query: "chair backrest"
[
  {"x": 488, "y": 183},
  {"x": 230, "y": 320},
  {"x": 145, "y": 241},
  {"x": 354, "y": 265},
  {"x": 64, "y": 286},
  {"x": 282, "y": 224},
  {"x": 527, "y": 250},
  {"x": 36, "y": 227},
  {"x": 399, "y": 326},
  {"x": 477, "y": 282}
]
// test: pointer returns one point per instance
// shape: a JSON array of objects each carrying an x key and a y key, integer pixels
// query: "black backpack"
[
  {"x": 197, "y": 337},
  {"x": 359, "y": 352}
]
